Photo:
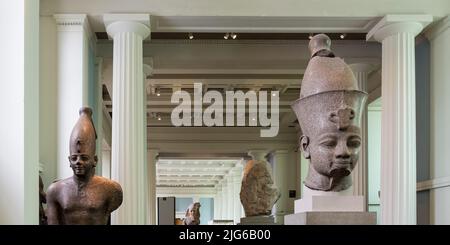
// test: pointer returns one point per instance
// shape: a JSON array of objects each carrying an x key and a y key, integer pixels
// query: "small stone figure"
[
  {"x": 42, "y": 199},
  {"x": 258, "y": 193},
  {"x": 329, "y": 112},
  {"x": 83, "y": 199},
  {"x": 192, "y": 214}
]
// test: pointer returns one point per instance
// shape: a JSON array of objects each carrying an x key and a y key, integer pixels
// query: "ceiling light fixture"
[
  {"x": 159, "y": 117},
  {"x": 158, "y": 93},
  {"x": 342, "y": 36},
  {"x": 311, "y": 35},
  {"x": 226, "y": 36},
  {"x": 233, "y": 35},
  {"x": 190, "y": 35}
]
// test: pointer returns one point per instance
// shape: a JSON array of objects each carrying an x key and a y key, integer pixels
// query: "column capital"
[
  {"x": 69, "y": 21},
  {"x": 120, "y": 23},
  {"x": 393, "y": 24},
  {"x": 75, "y": 22},
  {"x": 438, "y": 28},
  {"x": 258, "y": 154}
]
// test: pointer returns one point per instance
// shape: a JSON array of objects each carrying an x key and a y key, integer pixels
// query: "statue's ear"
[{"x": 304, "y": 145}]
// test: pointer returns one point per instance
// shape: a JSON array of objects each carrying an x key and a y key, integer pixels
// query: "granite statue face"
[
  {"x": 83, "y": 198},
  {"x": 329, "y": 112},
  {"x": 333, "y": 152}
]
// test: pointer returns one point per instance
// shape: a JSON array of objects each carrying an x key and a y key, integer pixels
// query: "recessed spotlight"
[
  {"x": 159, "y": 117},
  {"x": 253, "y": 119},
  {"x": 190, "y": 35},
  {"x": 157, "y": 92},
  {"x": 342, "y": 36}
]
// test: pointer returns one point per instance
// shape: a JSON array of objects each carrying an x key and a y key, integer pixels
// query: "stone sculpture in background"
[
  {"x": 192, "y": 214},
  {"x": 84, "y": 198},
  {"x": 258, "y": 193},
  {"x": 329, "y": 112}
]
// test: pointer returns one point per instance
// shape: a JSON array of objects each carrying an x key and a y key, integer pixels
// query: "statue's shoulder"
[
  {"x": 112, "y": 189},
  {"x": 111, "y": 185},
  {"x": 57, "y": 186}
]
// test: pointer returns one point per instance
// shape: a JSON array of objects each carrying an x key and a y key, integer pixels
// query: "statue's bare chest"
[{"x": 88, "y": 200}]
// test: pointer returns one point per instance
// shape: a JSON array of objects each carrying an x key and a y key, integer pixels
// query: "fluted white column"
[
  {"x": 215, "y": 204},
  {"x": 398, "y": 130},
  {"x": 73, "y": 35},
  {"x": 225, "y": 198},
  {"x": 359, "y": 174},
  {"x": 230, "y": 197},
  {"x": 237, "y": 182},
  {"x": 284, "y": 178},
  {"x": 128, "y": 118},
  {"x": 218, "y": 202},
  {"x": 152, "y": 155}
]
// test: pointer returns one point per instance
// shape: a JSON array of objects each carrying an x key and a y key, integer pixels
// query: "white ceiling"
[
  {"x": 172, "y": 13},
  {"x": 261, "y": 65},
  {"x": 192, "y": 172}
]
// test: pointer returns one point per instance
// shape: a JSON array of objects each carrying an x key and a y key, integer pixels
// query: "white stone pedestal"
[
  {"x": 331, "y": 218},
  {"x": 258, "y": 220},
  {"x": 330, "y": 204},
  {"x": 330, "y": 208}
]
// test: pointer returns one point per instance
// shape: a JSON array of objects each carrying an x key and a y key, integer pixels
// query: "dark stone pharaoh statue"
[
  {"x": 329, "y": 112},
  {"x": 84, "y": 198}
]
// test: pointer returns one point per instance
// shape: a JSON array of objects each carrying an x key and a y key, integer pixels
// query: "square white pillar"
[{"x": 19, "y": 104}]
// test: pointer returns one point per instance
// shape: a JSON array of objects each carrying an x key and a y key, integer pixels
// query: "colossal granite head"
[
  {"x": 82, "y": 144},
  {"x": 329, "y": 112}
]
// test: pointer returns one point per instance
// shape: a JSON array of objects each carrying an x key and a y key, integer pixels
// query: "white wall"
[
  {"x": 47, "y": 99},
  {"x": 19, "y": 95},
  {"x": 440, "y": 121}
]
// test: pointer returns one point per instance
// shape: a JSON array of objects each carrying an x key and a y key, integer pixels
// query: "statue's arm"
[
  {"x": 52, "y": 205},
  {"x": 116, "y": 197}
]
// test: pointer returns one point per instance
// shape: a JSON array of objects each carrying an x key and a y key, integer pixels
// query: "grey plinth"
[
  {"x": 331, "y": 218},
  {"x": 258, "y": 220}
]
